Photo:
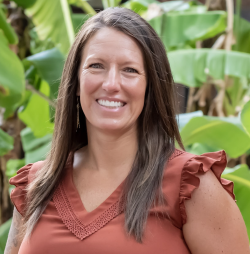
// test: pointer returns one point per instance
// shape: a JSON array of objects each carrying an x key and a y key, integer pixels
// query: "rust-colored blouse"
[{"x": 66, "y": 227}]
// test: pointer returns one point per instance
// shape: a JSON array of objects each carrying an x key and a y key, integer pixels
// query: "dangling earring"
[{"x": 77, "y": 113}]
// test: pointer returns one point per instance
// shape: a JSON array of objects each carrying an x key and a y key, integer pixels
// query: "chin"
[{"x": 111, "y": 126}]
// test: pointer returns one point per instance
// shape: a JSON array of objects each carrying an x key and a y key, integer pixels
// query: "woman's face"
[{"x": 112, "y": 81}]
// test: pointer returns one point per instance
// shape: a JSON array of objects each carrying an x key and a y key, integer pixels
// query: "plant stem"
[{"x": 33, "y": 90}]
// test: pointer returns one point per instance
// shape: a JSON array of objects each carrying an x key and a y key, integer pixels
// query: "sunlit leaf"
[
  {"x": 216, "y": 133},
  {"x": 12, "y": 166},
  {"x": 53, "y": 20},
  {"x": 12, "y": 82},
  {"x": 245, "y": 117},
  {"x": 183, "y": 119},
  {"x": 179, "y": 28},
  {"x": 49, "y": 65},
  {"x": 7, "y": 29},
  {"x": 35, "y": 148},
  {"x": 36, "y": 114},
  {"x": 6, "y": 142},
  {"x": 192, "y": 66}
]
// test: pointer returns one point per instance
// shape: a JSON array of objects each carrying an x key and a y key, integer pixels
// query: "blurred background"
[{"x": 208, "y": 45}]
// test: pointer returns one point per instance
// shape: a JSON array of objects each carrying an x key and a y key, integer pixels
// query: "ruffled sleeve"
[
  {"x": 215, "y": 161},
  {"x": 18, "y": 194}
]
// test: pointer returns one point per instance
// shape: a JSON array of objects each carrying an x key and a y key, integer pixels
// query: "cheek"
[
  {"x": 88, "y": 84},
  {"x": 136, "y": 90}
]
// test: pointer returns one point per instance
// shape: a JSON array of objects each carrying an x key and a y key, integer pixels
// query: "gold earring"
[{"x": 77, "y": 111}]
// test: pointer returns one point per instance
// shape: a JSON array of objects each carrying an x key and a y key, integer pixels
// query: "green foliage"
[
  {"x": 4, "y": 231},
  {"x": 49, "y": 66},
  {"x": 212, "y": 132},
  {"x": 245, "y": 117},
  {"x": 6, "y": 142},
  {"x": 7, "y": 29},
  {"x": 242, "y": 35},
  {"x": 12, "y": 166},
  {"x": 177, "y": 29},
  {"x": 36, "y": 114},
  {"x": 53, "y": 20},
  {"x": 11, "y": 86},
  {"x": 25, "y": 3},
  {"x": 35, "y": 148},
  {"x": 78, "y": 20},
  {"x": 240, "y": 175},
  {"x": 191, "y": 67}
]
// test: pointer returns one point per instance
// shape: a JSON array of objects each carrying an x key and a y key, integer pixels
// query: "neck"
[{"x": 111, "y": 152}]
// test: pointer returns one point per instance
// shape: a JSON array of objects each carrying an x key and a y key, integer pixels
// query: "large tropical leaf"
[
  {"x": 4, "y": 231},
  {"x": 35, "y": 148},
  {"x": 191, "y": 67},
  {"x": 8, "y": 31},
  {"x": 216, "y": 133},
  {"x": 53, "y": 20},
  {"x": 245, "y": 117},
  {"x": 12, "y": 85},
  {"x": 25, "y": 3},
  {"x": 49, "y": 65},
  {"x": 78, "y": 20},
  {"x": 6, "y": 142},
  {"x": 183, "y": 119},
  {"x": 176, "y": 29},
  {"x": 36, "y": 114},
  {"x": 242, "y": 34},
  {"x": 240, "y": 175}
]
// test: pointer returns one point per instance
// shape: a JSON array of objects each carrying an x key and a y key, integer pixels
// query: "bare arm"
[
  {"x": 13, "y": 242},
  {"x": 214, "y": 222}
]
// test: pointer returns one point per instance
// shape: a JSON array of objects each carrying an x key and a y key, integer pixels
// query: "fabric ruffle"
[
  {"x": 18, "y": 195},
  {"x": 215, "y": 161}
]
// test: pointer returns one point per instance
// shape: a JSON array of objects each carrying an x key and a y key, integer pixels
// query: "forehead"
[{"x": 112, "y": 43}]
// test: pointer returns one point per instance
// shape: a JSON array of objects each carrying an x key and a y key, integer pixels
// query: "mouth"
[{"x": 111, "y": 104}]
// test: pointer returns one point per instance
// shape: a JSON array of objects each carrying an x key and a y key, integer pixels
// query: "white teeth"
[{"x": 113, "y": 104}]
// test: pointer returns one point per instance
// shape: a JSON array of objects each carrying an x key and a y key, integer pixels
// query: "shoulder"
[
  {"x": 213, "y": 219},
  {"x": 182, "y": 177},
  {"x": 24, "y": 176}
]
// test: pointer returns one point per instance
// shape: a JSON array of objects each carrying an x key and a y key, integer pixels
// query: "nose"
[{"x": 111, "y": 83}]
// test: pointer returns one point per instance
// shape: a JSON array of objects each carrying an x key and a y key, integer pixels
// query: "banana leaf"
[
  {"x": 36, "y": 114},
  {"x": 245, "y": 117},
  {"x": 49, "y": 65},
  {"x": 216, "y": 133},
  {"x": 177, "y": 29},
  {"x": 6, "y": 142},
  {"x": 35, "y": 148},
  {"x": 191, "y": 67},
  {"x": 12, "y": 86},
  {"x": 242, "y": 34},
  {"x": 53, "y": 20},
  {"x": 7, "y": 29}
]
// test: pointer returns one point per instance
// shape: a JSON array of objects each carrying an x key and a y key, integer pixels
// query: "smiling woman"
[{"x": 113, "y": 181}]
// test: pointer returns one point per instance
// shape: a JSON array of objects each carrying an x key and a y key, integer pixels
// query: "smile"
[{"x": 110, "y": 104}]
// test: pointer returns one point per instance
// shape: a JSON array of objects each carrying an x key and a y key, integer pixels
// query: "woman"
[{"x": 113, "y": 181}]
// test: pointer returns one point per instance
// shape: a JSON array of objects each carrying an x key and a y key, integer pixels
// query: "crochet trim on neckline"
[
  {"x": 76, "y": 226},
  {"x": 70, "y": 220}
]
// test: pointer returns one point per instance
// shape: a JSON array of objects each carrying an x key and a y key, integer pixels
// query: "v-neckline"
[{"x": 76, "y": 203}]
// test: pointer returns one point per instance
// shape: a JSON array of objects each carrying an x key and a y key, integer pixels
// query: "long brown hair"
[{"x": 157, "y": 124}]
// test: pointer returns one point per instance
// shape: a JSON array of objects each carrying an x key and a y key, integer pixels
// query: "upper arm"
[
  {"x": 214, "y": 223},
  {"x": 14, "y": 240}
]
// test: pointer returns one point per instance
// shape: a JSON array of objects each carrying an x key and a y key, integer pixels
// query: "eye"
[
  {"x": 95, "y": 66},
  {"x": 131, "y": 70}
]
